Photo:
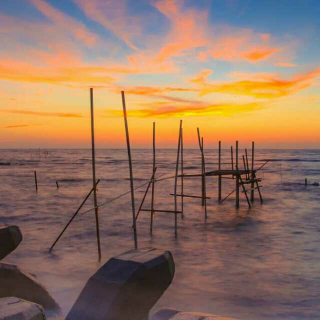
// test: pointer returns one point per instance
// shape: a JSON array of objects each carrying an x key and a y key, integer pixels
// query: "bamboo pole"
[
  {"x": 176, "y": 184},
  {"x": 258, "y": 187},
  {"x": 181, "y": 170},
  {"x": 36, "y": 180},
  {"x": 244, "y": 190},
  {"x": 247, "y": 163},
  {"x": 94, "y": 183},
  {"x": 252, "y": 175},
  {"x": 74, "y": 215},
  {"x": 232, "y": 158},
  {"x": 130, "y": 171},
  {"x": 219, "y": 178},
  {"x": 145, "y": 194},
  {"x": 237, "y": 177},
  {"x": 204, "y": 180},
  {"x": 244, "y": 165},
  {"x": 153, "y": 170}
]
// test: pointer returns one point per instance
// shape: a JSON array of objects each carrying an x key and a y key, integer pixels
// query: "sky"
[{"x": 243, "y": 70}]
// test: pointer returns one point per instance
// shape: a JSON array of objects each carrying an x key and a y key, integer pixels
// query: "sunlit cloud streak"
[
  {"x": 228, "y": 109},
  {"x": 265, "y": 87},
  {"x": 16, "y": 126},
  {"x": 43, "y": 114}
]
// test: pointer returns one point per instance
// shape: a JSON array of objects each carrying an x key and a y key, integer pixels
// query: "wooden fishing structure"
[{"x": 242, "y": 178}]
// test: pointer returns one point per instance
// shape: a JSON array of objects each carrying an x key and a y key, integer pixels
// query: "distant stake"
[
  {"x": 153, "y": 170},
  {"x": 219, "y": 178},
  {"x": 130, "y": 170},
  {"x": 36, "y": 180},
  {"x": 57, "y": 184},
  {"x": 305, "y": 181},
  {"x": 176, "y": 183},
  {"x": 252, "y": 172},
  {"x": 181, "y": 170},
  {"x": 94, "y": 182}
]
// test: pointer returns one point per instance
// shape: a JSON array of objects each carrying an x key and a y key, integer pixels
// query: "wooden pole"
[
  {"x": 176, "y": 183},
  {"x": 237, "y": 177},
  {"x": 130, "y": 170},
  {"x": 252, "y": 174},
  {"x": 204, "y": 180},
  {"x": 245, "y": 191},
  {"x": 36, "y": 180},
  {"x": 145, "y": 194},
  {"x": 57, "y": 184},
  {"x": 65, "y": 228},
  {"x": 94, "y": 183},
  {"x": 247, "y": 163},
  {"x": 153, "y": 170},
  {"x": 219, "y": 178},
  {"x": 244, "y": 165},
  {"x": 232, "y": 158},
  {"x": 181, "y": 170}
]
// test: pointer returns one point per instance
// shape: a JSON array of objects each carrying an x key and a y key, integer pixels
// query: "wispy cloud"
[
  {"x": 114, "y": 17},
  {"x": 16, "y": 126},
  {"x": 258, "y": 87},
  {"x": 228, "y": 109},
  {"x": 65, "y": 23},
  {"x": 44, "y": 114}
]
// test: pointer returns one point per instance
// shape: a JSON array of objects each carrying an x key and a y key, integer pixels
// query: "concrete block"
[
  {"x": 19, "y": 284},
  {"x": 12, "y": 308},
  {"x": 10, "y": 238},
  {"x": 172, "y": 314},
  {"x": 126, "y": 287}
]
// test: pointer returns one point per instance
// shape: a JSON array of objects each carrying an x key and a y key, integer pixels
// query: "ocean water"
[{"x": 262, "y": 263}]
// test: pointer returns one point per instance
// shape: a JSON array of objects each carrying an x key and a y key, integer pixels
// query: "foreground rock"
[
  {"x": 10, "y": 238},
  {"x": 171, "y": 314},
  {"x": 17, "y": 283},
  {"x": 126, "y": 287},
  {"x": 15, "y": 308}
]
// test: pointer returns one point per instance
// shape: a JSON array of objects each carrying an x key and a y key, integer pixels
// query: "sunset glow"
[{"x": 239, "y": 70}]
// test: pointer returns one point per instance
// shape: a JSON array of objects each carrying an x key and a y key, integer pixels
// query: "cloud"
[
  {"x": 151, "y": 91},
  {"x": 257, "y": 54},
  {"x": 44, "y": 114},
  {"x": 114, "y": 17},
  {"x": 285, "y": 64},
  {"x": 262, "y": 87},
  {"x": 65, "y": 23},
  {"x": 227, "y": 109},
  {"x": 78, "y": 74},
  {"x": 16, "y": 126}
]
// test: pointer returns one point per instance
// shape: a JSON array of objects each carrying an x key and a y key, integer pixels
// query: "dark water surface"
[{"x": 262, "y": 263}]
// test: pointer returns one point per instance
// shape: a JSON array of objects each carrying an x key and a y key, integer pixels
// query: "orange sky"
[{"x": 175, "y": 59}]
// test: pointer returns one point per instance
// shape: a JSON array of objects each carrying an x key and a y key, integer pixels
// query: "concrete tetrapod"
[
  {"x": 126, "y": 287},
  {"x": 10, "y": 238},
  {"x": 19, "y": 309},
  {"x": 172, "y": 314},
  {"x": 19, "y": 284}
]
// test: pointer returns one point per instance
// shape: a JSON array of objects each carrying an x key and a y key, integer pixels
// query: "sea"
[{"x": 250, "y": 264}]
